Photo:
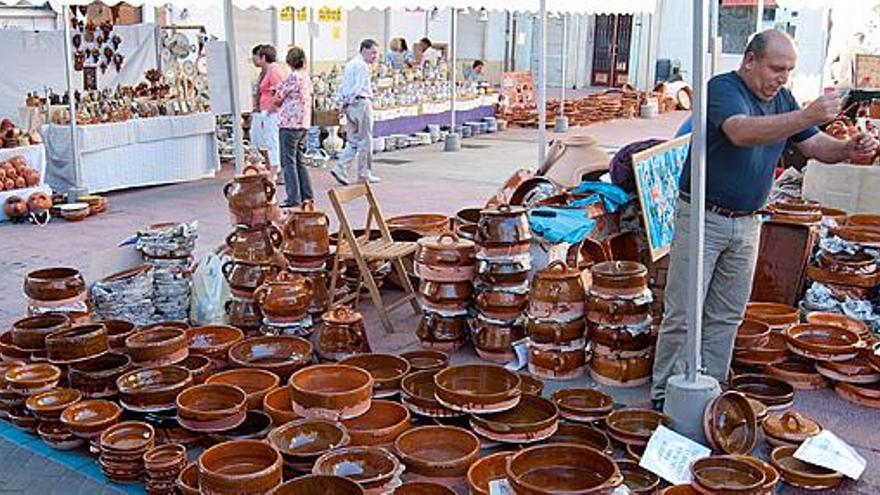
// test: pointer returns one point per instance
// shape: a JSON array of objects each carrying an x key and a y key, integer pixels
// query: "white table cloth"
[
  {"x": 140, "y": 152},
  {"x": 36, "y": 158}
]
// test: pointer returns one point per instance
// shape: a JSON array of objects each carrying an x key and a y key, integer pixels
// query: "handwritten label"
[
  {"x": 670, "y": 455},
  {"x": 522, "y": 356},
  {"x": 827, "y": 450},
  {"x": 500, "y": 487}
]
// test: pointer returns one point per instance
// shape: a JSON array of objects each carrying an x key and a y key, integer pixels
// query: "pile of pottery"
[
  {"x": 123, "y": 446},
  {"x": 445, "y": 266},
  {"x": 57, "y": 290},
  {"x": 556, "y": 329},
  {"x": 342, "y": 334},
  {"x": 163, "y": 465},
  {"x": 306, "y": 246},
  {"x": 619, "y": 324},
  {"x": 502, "y": 282},
  {"x": 168, "y": 248},
  {"x": 126, "y": 295}
]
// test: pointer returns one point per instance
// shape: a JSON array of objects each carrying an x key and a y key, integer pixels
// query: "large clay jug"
[{"x": 569, "y": 158}]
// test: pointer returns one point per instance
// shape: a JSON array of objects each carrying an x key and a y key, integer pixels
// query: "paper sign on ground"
[
  {"x": 827, "y": 450},
  {"x": 670, "y": 455},
  {"x": 500, "y": 487}
]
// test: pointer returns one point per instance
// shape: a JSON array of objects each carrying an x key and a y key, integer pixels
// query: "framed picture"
[{"x": 657, "y": 171}]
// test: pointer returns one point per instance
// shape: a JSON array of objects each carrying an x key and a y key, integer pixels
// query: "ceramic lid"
[
  {"x": 731, "y": 424},
  {"x": 791, "y": 426},
  {"x": 342, "y": 315},
  {"x": 504, "y": 210},
  {"x": 619, "y": 269},
  {"x": 445, "y": 241}
]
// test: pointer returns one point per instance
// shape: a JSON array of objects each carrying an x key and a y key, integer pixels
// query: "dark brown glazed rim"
[
  {"x": 518, "y": 420},
  {"x": 771, "y": 391},
  {"x": 722, "y": 433},
  {"x": 702, "y": 467},
  {"x": 610, "y": 473}
]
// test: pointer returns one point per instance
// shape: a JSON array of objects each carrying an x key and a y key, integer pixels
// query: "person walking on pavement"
[
  {"x": 751, "y": 118},
  {"x": 264, "y": 120},
  {"x": 355, "y": 93},
  {"x": 294, "y": 100}
]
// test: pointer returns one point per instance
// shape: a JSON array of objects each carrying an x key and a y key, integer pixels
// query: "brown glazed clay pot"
[
  {"x": 213, "y": 341},
  {"x": 96, "y": 378},
  {"x": 554, "y": 332},
  {"x": 778, "y": 316},
  {"x": 634, "y": 426},
  {"x": 256, "y": 383},
  {"x": 839, "y": 320},
  {"x": 160, "y": 346},
  {"x": 444, "y": 334},
  {"x": 477, "y": 388},
  {"x": 228, "y": 467},
  {"x": 249, "y": 191},
  {"x": 243, "y": 313},
  {"x": 438, "y": 451},
  {"x": 501, "y": 305},
  {"x": 306, "y": 233},
  {"x": 562, "y": 468},
  {"x": 494, "y": 341},
  {"x": 619, "y": 339},
  {"x": 152, "y": 389},
  {"x": 281, "y": 354},
  {"x": 485, "y": 470},
  {"x": 117, "y": 332},
  {"x": 380, "y": 425},
  {"x": 557, "y": 293},
  {"x": 79, "y": 343},
  {"x": 54, "y": 284},
  {"x": 244, "y": 277},
  {"x": 445, "y": 296},
  {"x": 583, "y": 404},
  {"x": 418, "y": 395},
  {"x": 331, "y": 391},
  {"x": 386, "y": 369},
  {"x": 727, "y": 474},
  {"x": 621, "y": 371},
  {"x": 200, "y": 367},
  {"x": 342, "y": 334},
  {"x": 532, "y": 420},
  {"x": 730, "y": 424},
  {"x": 446, "y": 258},
  {"x": 585, "y": 435},
  {"x": 822, "y": 342},
  {"x": 257, "y": 244},
  {"x": 211, "y": 407},
  {"x": 752, "y": 334},
  {"x": 504, "y": 226},
  {"x": 29, "y": 333},
  {"x": 47, "y": 406},
  {"x": 278, "y": 406},
  {"x": 552, "y": 362},
  {"x": 801, "y": 474},
  {"x": 284, "y": 298},
  {"x": 303, "y": 441},
  {"x": 619, "y": 279},
  {"x": 89, "y": 418},
  {"x": 426, "y": 360}
]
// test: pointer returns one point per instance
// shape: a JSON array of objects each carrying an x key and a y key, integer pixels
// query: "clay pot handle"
[
  {"x": 308, "y": 205},
  {"x": 503, "y": 207},
  {"x": 557, "y": 265},
  {"x": 793, "y": 421},
  {"x": 227, "y": 268},
  {"x": 226, "y": 189},
  {"x": 452, "y": 236},
  {"x": 231, "y": 238},
  {"x": 270, "y": 190},
  {"x": 260, "y": 294},
  {"x": 251, "y": 170},
  {"x": 275, "y": 236}
]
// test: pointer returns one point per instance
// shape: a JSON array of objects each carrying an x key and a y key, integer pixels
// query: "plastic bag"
[{"x": 209, "y": 292}]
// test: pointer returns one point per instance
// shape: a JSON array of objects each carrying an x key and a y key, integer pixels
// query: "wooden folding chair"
[{"x": 364, "y": 250}]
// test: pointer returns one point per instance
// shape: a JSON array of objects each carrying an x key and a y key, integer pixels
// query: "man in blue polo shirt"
[{"x": 751, "y": 117}]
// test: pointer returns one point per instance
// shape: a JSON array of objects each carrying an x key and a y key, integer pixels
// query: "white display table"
[
  {"x": 140, "y": 152},
  {"x": 36, "y": 158}
]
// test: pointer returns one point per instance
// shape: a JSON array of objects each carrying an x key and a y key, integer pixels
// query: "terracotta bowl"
[
  {"x": 775, "y": 350},
  {"x": 165, "y": 457},
  {"x": 128, "y": 436},
  {"x": 281, "y": 355},
  {"x": 180, "y": 325},
  {"x": 117, "y": 332},
  {"x": 839, "y": 320},
  {"x": 89, "y": 418},
  {"x": 278, "y": 406},
  {"x": 152, "y": 389},
  {"x": 858, "y": 371},
  {"x": 7, "y": 365},
  {"x": 822, "y": 342},
  {"x": 30, "y": 333},
  {"x": 485, "y": 470},
  {"x": 75, "y": 344},
  {"x": 639, "y": 480},
  {"x": 532, "y": 420},
  {"x": 22, "y": 419},
  {"x": 213, "y": 341},
  {"x": 187, "y": 482},
  {"x": 57, "y": 436},
  {"x": 730, "y": 425},
  {"x": 159, "y": 346},
  {"x": 380, "y": 425},
  {"x": 727, "y": 474},
  {"x": 772, "y": 392},
  {"x": 562, "y": 468},
  {"x": 373, "y": 468},
  {"x": 423, "y": 488},
  {"x": 10, "y": 351},
  {"x": 426, "y": 360},
  {"x": 256, "y": 383},
  {"x": 229, "y": 466},
  {"x": 800, "y": 374},
  {"x": 331, "y": 391},
  {"x": 96, "y": 378},
  {"x": 418, "y": 395},
  {"x": 778, "y": 316},
  {"x": 634, "y": 426},
  {"x": 801, "y": 474},
  {"x": 587, "y": 436},
  {"x": 437, "y": 451},
  {"x": 211, "y": 407},
  {"x": 302, "y": 441},
  {"x": 256, "y": 426},
  {"x": 771, "y": 474},
  {"x": 386, "y": 369},
  {"x": 31, "y": 379},
  {"x": 319, "y": 484},
  {"x": 751, "y": 334},
  {"x": 54, "y": 284},
  {"x": 679, "y": 490},
  {"x": 583, "y": 404},
  {"x": 201, "y": 367},
  {"x": 477, "y": 388},
  {"x": 47, "y": 406}
]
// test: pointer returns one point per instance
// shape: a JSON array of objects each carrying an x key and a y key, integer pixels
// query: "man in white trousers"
[{"x": 356, "y": 93}]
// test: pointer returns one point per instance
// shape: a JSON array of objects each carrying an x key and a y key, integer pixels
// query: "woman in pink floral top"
[{"x": 294, "y": 97}]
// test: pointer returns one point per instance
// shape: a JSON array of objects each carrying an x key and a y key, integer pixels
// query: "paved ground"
[{"x": 427, "y": 181}]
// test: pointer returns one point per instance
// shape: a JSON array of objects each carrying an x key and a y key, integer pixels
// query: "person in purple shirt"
[{"x": 751, "y": 118}]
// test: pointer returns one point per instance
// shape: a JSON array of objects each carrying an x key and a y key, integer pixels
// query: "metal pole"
[
  {"x": 293, "y": 27},
  {"x": 542, "y": 78},
  {"x": 276, "y": 33},
  {"x": 311, "y": 42},
  {"x": 759, "y": 20},
  {"x": 77, "y": 189},
  {"x": 561, "y": 124},
  {"x": 232, "y": 58},
  {"x": 452, "y": 142},
  {"x": 387, "y": 29}
]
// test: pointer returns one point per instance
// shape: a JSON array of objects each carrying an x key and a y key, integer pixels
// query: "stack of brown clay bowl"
[
  {"x": 58, "y": 290},
  {"x": 213, "y": 342},
  {"x": 778, "y": 316},
  {"x": 8, "y": 397},
  {"x": 418, "y": 395},
  {"x": 331, "y": 391},
  {"x": 790, "y": 428},
  {"x": 375, "y": 469},
  {"x": 562, "y": 468},
  {"x": 801, "y": 212},
  {"x": 47, "y": 407},
  {"x": 439, "y": 454},
  {"x": 619, "y": 322},
  {"x": 758, "y": 346},
  {"x": 77, "y": 344},
  {"x": 23, "y": 382},
  {"x": 117, "y": 331},
  {"x": 445, "y": 266},
  {"x": 284, "y": 301},
  {"x": 151, "y": 390},
  {"x": 533, "y": 419},
  {"x": 157, "y": 346},
  {"x": 96, "y": 378},
  {"x": 387, "y": 371},
  {"x": 477, "y": 388},
  {"x": 380, "y": 425},
  {"x": 503, "y": 264},
  {"x": 281, "y": 355},
  {"x": 251, "y": 198},
  {"x": 307, "y": 249},
  {"x": 255, "y": 383},
  {"x": 163, "y": 465},
  {"x": 426, "y": 360},
  {"x": 89, "y": 418},
  {"x": 774, "y": 393},
  {"x": 29, "y": 333},
  {"x": 230, "y": 466},
  {"x": 820, "y": 351},
  {"x": 846, "y": 275},
  {"x": 303, "y": 441},
  {"x": 341, "y": 334},
  {"x": 555, "y": 328},
  {"x": 583, "y": 405},
  {"x": 122, "y": 450}
]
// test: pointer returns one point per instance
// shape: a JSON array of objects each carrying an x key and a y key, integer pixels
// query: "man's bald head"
[{"x": 767, "y": 63}]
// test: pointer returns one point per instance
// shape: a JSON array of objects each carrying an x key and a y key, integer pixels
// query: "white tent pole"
[
  {"x": 232, "y": 57},
  {"x": 542, "y": 78},
  {"x": 311, "y": 42},
  {"x": 77, "y": 188},
  {"x": 452, "y": 142},
  {"x": 759, "y": 21},
  {"x": 561, "y": 124},
  {"x": 276, "y": 33}
]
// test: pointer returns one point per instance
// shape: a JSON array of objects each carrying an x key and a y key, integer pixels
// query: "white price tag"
[
  {"x": 827, "y": 450},
  {"x": 670, "y": 455},
  {"x": 522, "y": 356},
  {"x": 500, "y": 487}
]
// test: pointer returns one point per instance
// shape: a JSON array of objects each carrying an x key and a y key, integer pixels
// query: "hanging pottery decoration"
[
  {"x": 76, "y": 40},
  {"x": 83, "y": 9},
  {"x": 117, "y": 60},
  {"x": 96, "y": 54},
  {"x": 90, "y": 31},
  {"x": 116, "y": 40},
  {"x": 99, "y": 39},
  {"x": 103, "y": 67},
  {"x": 79, "y": 59},
  {"x": 108, "y": 53}
]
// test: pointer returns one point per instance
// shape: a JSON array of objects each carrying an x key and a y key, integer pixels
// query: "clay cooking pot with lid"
[
  {"x": 342, "y": 334},
  {"x": 285, "y": 297},
  {"x": 249, "y": 191},
  {"x": 257, "y": 244},
  {"x": 307, "y": 232},
  {"x": 557, "y": 292},
  {"x": 446, "y": 258},
  {"x": 503, "y": 226},
  {"x": 619, "y": 279}
]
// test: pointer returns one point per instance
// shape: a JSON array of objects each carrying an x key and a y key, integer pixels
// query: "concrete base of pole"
[
  {"x": 75, "y": 192},
  {"x": 561, "y": 124},
  {"x": 453, "y": 142},
  {"x": 686, "y": 401}
]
